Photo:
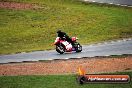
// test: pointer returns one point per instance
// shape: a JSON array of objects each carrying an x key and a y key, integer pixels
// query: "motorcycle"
[{"x": 63, "y": 46}]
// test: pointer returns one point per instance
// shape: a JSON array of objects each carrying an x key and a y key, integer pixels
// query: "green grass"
[
  {"x": 35, "y": 29},
  {"x": 54, "y": 81}
]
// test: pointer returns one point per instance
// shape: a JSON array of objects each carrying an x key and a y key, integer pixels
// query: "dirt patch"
[
  {"x": 91, "y": 65},
  {"x": 15, "y": 5}
]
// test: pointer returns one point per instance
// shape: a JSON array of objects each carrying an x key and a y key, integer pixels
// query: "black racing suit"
[{"x": 63, "y": 35}]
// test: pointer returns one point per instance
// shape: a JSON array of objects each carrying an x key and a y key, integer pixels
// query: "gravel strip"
[
  {"x": 91, "y": 65},
  {"x": 15, "y": 5}
]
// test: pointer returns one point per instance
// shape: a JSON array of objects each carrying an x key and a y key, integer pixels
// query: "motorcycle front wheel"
[{"x": 60, "y": 49}]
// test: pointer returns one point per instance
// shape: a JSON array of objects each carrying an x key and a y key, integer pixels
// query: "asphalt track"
[
  {"x": 115, "y": 2},
  {"x": 101, "y": 49}
]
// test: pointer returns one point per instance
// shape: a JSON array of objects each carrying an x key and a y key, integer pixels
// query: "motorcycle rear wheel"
[{"x": 78, "y": 47}]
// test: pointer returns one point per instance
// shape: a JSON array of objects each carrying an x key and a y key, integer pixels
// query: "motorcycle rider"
[{"x": 63, "y": 35}]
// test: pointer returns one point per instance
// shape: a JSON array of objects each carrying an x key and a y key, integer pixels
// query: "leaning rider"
[{"x": 63, "y": 35}]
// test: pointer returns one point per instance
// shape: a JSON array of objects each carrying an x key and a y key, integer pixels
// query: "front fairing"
[{"x": 57, "y": 40}]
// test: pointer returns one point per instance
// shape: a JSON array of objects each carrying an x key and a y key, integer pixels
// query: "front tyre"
[{"x": 60, "y": 49}]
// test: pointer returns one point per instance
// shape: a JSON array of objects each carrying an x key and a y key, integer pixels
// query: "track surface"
[
  {"x": 116, "y": 2},
  {"x": 101, "y": 49}
]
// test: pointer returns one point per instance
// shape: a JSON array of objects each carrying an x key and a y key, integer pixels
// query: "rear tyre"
[
  {"x": 78, "y": 47},
  {"x": 60, "y": 49}
]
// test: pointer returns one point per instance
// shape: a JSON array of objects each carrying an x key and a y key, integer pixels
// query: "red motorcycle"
[{"x": 63, "y": 46}]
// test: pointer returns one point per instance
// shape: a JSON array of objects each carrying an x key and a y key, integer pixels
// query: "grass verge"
[
  {"x": 54, "y": 81},
  {"x": 35, "y": 29}
]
